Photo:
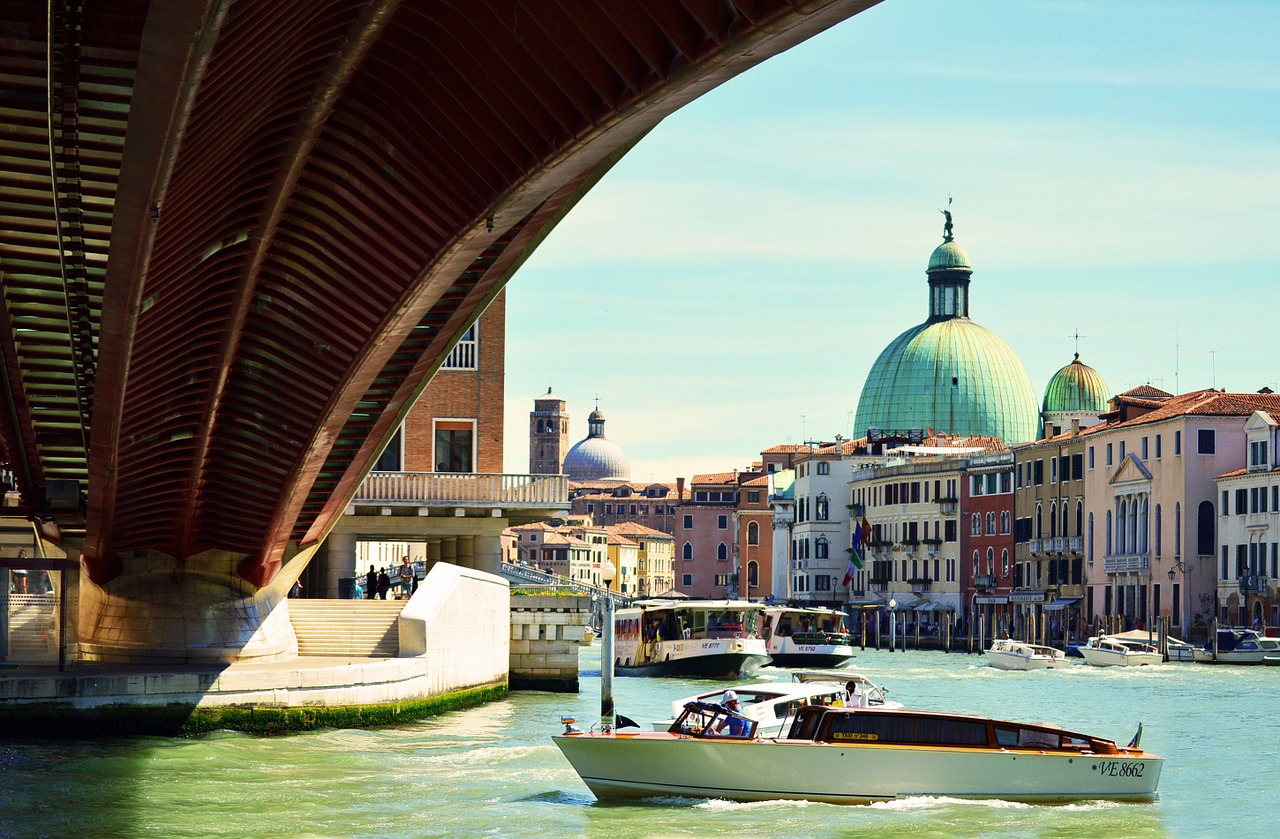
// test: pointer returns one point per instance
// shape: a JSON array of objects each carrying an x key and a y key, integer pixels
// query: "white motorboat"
[
  {"x": 800, "y": 636},
  {"x": 773, "y": 704},
  {"x": 710, "y": 639},
  {"x": 1179, "y": 650},
  {"x": 859, "y": 756},
  {"x": 1239, "y": 646},
  {"x": 1006, "y": 654},
  {"x": 1109, "y": 651}
]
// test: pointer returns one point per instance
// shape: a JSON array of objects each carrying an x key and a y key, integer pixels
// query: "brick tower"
[{"x": 548, "y": 435}]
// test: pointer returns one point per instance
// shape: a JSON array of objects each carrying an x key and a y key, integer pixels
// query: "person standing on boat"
[{"x": 737, "y": 725}]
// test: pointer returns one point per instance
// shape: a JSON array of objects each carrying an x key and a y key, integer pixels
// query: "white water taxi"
[
  {"x": 1109, "y": 651},
  {"x": 859, "y": 756},
  {"x": 1238, "y": 646},
  {"x": 774, "y": 704},
  {"x": 710, "y": 639},
  {"x": 1006, "y": 654},
  {"x": 806, "y": 636}
]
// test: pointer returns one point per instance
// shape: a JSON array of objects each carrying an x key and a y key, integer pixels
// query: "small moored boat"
[
  {"x": 709, "y": 639},
  {"x": 1006, "y": 654},
  {"x": 1109, "y": 651},
  {"x": 858, "y": 756},
  {"x": 1239, "y": 646},
  {"x": 800, "y": 636}
]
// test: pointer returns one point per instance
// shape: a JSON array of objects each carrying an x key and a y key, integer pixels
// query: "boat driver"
[{"x": 737, "y": 726}]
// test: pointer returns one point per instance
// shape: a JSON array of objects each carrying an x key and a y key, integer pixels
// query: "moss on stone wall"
[{"x": 54, "y": 721}]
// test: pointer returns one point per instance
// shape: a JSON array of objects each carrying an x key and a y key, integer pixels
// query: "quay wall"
[{"x": 546, "y": 632}]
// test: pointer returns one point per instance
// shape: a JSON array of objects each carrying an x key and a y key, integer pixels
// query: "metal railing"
[
  {"x": 458, "y": 489},
  {"x": 1254, "y": 584},
  {"x": 1122, "y": 564},
  {"x": 560, "y": 583},
  {"x": 984, "y": 580},
  {"x": 1036, "y": 546}
]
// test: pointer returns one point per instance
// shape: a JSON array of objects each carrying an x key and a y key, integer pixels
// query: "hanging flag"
[
  {"x": 855, "y": 553},
  {"x": 855, "y": 562}
]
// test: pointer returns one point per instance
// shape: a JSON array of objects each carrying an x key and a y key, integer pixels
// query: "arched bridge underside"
[{"x": 237, "y": 237}]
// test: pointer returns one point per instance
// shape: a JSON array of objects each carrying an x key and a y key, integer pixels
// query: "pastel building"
[
  {"x": 1249, "y": 532},
  {"x": 654, "y": 558}
]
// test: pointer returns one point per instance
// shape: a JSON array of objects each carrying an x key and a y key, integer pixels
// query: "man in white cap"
[{"x": 737, "y": 725}]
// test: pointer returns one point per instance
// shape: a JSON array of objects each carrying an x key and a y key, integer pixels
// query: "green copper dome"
[
  {"x": 1076, "y": 388},
  {"x": 953, "y": 376},
  {"x": 949, "y": 374}
]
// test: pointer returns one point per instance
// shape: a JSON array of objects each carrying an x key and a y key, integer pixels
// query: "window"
[
  {"x": 1053, "y": 470},
  {"x": 454, "y": 440},
  {"x": 821, "y": 550},
  {"x": 822, "y": 582},
  {"x": 823, "y": 508},
  {"x": 1206, "y": 442},
  {"x": 1110, "y": 461},
  {"x": 1091, "y": 457},
  {"x": 991, "y": 524},
  {"x": 1122, "y": 450},
  {"x": 686, "y": 580},
  {"x": 1039, "y": 473},
  {"x": 976, "y": 530},
  {"x": 824, "y": 468},
  {"x": 1158, "y": 447},
  {"x": 392, "y": 457},
  {"x": 464, "y": 354},
  {"x": 608, "y": 509},
  {"x": 1005, "y": 522},
  {"x": 1177, "y": 443},
  {"x": 722, "y": 522},
  {"x": 722, "y": 552},
  {"x": 688, "y": 522},
  {"x": 1205, "y": 537},
  {"x": 753, "y": 496},
  {"x": 1144, "y": 448},
  {"x": 949, "y": 530},
  {"x": 687, "y": 551},
  {"x": 722, "y": 580},
  {"x": 1004, "y": 561},
  {"x": 753, "y": 533}
]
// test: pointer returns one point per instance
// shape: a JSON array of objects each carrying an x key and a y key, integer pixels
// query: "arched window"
[
  {"x": 1159, "y": 521},
  {"x": 976, "y": 530},
  {"x": 1079, "y": 518},
  {"x": 1065, "y": 519},
  {"x": 1053, "y": 519},
  {"x": 1177, "y": 528},
  {"x": 1089, "y": 547},
  {"x": 1004, "y": 561},
  {"x": 820, "y": 550},
  {"x": 991, "y": 524},
  {"x": 753, "y": 533},
  {"x": 687, "y": 551},
  {"x": 1204, "y": 529},
  {"x": 753, "y": 573},
  {"x": 1107, "y": 552},
  {"x": 722, "y": 551},
  {"x": 1039, "y": 521},
  {"x": 975, "y": 563},
  {"x": 991, "y": 560},
  {"x": 1006, "y": 521},
  {"x": 823, "y": 506}
]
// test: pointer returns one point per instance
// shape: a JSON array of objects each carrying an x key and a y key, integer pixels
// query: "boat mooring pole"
[{"x": 606, "y": 663}]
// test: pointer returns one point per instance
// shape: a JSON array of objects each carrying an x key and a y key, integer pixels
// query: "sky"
[{"x": 1114, "y": 169}]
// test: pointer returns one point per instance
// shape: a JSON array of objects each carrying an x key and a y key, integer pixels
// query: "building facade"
[{"x": 1249, "y": 532}]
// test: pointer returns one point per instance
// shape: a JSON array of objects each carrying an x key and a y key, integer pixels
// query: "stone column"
[
  {"x": 433, "y": 553},
  {"x": 341, "y": 561},
  {"x": 488, "y": 553},
  {"x": 449, "y": 550},
  {"x": 466, "y": 551}
]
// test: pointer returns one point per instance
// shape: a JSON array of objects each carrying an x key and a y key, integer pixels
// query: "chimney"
[
  {"x": 1075, "y": 427},
  {"x": 680, "y": 489}
]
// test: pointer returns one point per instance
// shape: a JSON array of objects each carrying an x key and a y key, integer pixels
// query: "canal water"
[{"x": 493, "y": 770}]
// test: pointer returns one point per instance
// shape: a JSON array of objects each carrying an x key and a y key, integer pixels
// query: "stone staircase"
[
  {"x": 365, "y": 628},
  {"x": 33, "y": 628}
]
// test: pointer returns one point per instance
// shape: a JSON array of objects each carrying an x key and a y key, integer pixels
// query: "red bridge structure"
[{"x": 237, "y": 238}]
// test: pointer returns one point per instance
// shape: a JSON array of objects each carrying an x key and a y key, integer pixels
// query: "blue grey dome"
[{"x": 597, "y": 458}]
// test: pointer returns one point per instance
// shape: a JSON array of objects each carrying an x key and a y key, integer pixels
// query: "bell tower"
[{"x": 548, "y": 435}]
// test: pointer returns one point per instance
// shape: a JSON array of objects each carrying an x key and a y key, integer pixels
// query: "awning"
[
  {"x": 927, "y": 606},
  {"x": 992, "y": 599},
  {"x": 905, "y": 602},
  {"x": 1060, "y": 603}
]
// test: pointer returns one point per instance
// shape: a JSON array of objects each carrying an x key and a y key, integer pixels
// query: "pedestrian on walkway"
[
  {"x": 371, "y": 584},
  {"x": 384, "y": 583}
]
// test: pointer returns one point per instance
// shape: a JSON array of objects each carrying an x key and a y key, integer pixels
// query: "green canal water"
[{"x": 493, "y": 770}]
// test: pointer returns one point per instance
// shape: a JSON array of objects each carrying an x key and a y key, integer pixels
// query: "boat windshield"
[{"x": 704, "y": 719}]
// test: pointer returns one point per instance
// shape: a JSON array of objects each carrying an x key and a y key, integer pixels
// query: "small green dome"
[
  {"x": 951, "y": 375},
  {"x": 949, "y": 256},
  {"x": 1076, "y": 388}
]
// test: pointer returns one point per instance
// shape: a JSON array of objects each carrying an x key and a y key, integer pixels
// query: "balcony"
[
  {"x": 1036, "y": 546},
  {"x": 1254, "y": 584},
  {"x": 984, "y": 580},
  {"x": 856, "y": 511},
  {"x": 1075, "y": 544},
  {"x": 920, "y": 585},
  {"x": 1056, "y": 545},
  {"x": 947, "y": 505},
  {"x": 1126, "y": 564},
  {"x": 420, "y": 493}
]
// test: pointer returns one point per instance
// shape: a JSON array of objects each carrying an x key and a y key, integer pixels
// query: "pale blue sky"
[{"x": 1115, "y": 168}]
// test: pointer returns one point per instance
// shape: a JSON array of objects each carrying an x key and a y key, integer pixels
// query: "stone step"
[{"x": 346, "y": 627}]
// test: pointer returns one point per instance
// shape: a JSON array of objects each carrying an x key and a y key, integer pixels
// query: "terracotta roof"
[
  {"x": 1207, "y": 403},
  {"x": 785, "y": 448},
  {"x": 759, "y": 480},
  {"x": 1147, "y": 392},
  {"x": 631, "y": 528},
  {"x": 714, "y": 478},
  {"x": 1244, "y": 469},
  {"x": 619, "y": 539}
]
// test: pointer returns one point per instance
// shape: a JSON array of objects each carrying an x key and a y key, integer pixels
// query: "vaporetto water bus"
[
  {"x": 799, "y": 636},
  {"x": 710, "y": 639},
  {"x": 859, "y": 756}
]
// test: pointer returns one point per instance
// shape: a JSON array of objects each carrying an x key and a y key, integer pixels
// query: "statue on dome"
[{"x": 947, "y": 235}]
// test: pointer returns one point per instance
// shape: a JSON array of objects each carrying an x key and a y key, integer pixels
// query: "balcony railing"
[
  {"x": 984, "y": 580},
  {"x": 1056, "y": 544},
  {"x": 456, "y": 489},
  {"x": 947, "y": 506},
  {"x": 920, "y": 586},
  {"x": 1123, "y": 564},
  {"x": 1075, "y": 544},
  {"x": 1036, "y": 546},
  {"x": 1254, "y": 584}
]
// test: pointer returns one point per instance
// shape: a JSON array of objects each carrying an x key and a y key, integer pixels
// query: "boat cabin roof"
[
  {"x": 926, "y": 728},
  {"x": 649, "y": 607}
]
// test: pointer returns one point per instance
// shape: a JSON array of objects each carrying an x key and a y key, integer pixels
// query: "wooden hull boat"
[{"x": 857, "y": 756}]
